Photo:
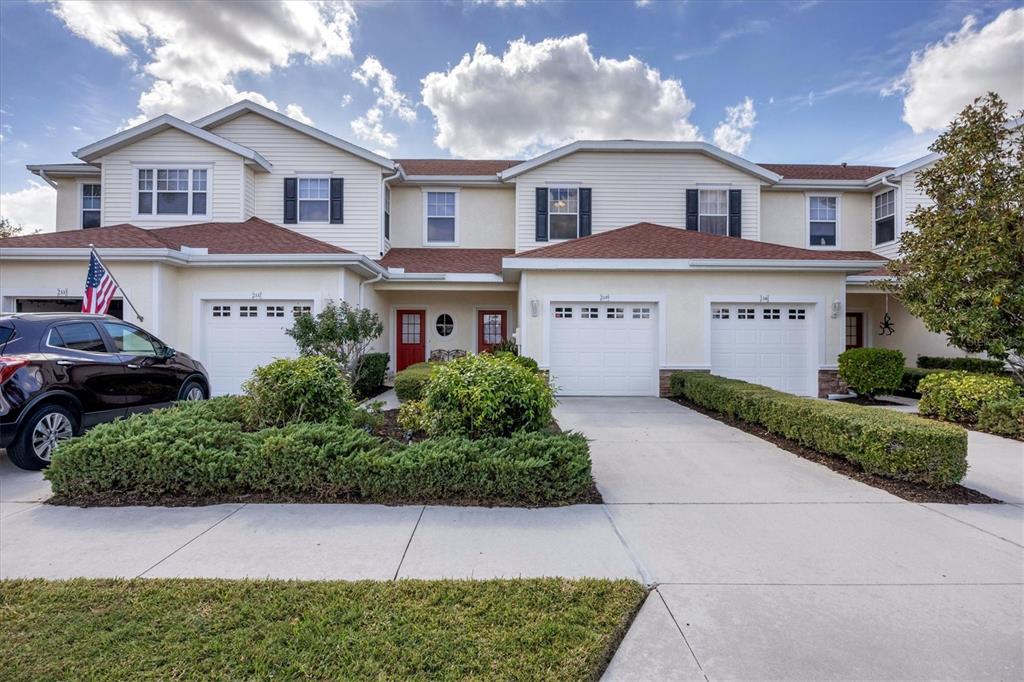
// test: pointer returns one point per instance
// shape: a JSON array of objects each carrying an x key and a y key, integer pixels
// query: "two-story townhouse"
[{"x": 612, "y": 263}]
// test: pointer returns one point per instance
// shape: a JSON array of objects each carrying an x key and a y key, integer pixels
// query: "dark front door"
[
  {"x": 411, "y": 338},
  {"x": 492, "y": 329},
  {"x": 854, "y": 330}
]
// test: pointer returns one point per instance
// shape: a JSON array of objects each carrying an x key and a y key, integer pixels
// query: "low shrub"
[
  {"x": 871, "y": 371},
  {"x": 528, "y": 363},
  {"x": 410, "y": 382},
  {"x": 311, "y": 388},
  {"x": 958, "y": 396},
  {"x": 977, "y": 365},
  {"x": 1003, "y": 417},
  {"x": 486, "y": 395},
  {"x": 882, "y": 442},
  {"x": 369, "y": 378},
  {"x": 911, "y": 377}
]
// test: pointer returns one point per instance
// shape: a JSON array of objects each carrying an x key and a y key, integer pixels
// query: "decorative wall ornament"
[{"x": 886, "y": 328}]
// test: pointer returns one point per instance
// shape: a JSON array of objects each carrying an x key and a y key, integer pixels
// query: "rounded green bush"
[
  {"x": 528, "y": 363},
  {"x": 486, "y": 395},
  {"x": 959, "y": 396},
  {"x": 410, "y": 382},
  {"x": 871, "y": 371},
  {"x": 1003, "y": 417},
  {"x": 307, "y": 389}
]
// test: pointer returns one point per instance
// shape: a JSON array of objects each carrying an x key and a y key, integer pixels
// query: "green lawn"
[{"x": 227, "y": 629}]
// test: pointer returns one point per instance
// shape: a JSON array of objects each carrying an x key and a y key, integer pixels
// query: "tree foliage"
[
  {"x": 962, "y": 270},
  {"x": 341, "y": 332},
  {"x": 9, "y": 229}
]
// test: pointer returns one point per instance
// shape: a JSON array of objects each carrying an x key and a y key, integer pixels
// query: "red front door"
[
  {"x": 492, "y": 329},
  {"x": 411, "y": 338}
]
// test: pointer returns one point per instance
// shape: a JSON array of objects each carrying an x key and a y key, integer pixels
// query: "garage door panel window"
[
  {"x": 589, "y": 313},
  {"x": 565, "y": 313},
  {"x": 275, "y": 311},
  {"x": 247, "y": 311},
  {"x": 641, "y": 313},
  {"x": 772, "y": 313},
  {"x": 797, "y": 313},
  {"x": 745, "y": 314},
  {"x": 298, "y": 310},
  {"x": 615, "y": 313},
  {"x": 221, "y": 311},
  {"x": 720, "y": 313}
]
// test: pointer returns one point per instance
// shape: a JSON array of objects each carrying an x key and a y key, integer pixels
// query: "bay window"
[
  {"x": 823, "y": 220},
  {"x": 172, "y": 191},
  {"x": 885, "y": 217}
]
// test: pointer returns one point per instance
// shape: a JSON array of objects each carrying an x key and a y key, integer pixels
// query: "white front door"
[
  {"x": 603, "y": 348},
  {"x": 767, "y": 344},
  {"x": 239, "y": 336}
]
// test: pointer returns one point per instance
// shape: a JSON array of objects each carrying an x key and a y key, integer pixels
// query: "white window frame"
[
  {"x": 895, "y": 216},
  {"x": 550, "y": 212},
  {"x": 426, "y": 215},
  {"x": 81, "y": 200},
  {"x": 171, "y": 217},
  {"x": 839, "y": 220},
  {"x": 299, "y": 177},
  {"x": 713, "y": 188},
  {"x": 437, "y": 316}
]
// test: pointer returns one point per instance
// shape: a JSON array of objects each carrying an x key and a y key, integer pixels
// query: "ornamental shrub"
[
  {"x": 311, "y": 388},
  {"x": 370, "y": 374},
  {"x": 871, "y": 371},
  {"x": 883, "y": 442},
  {"x": 959, "y": 396},
  {"x": 976, "y": 365},
  {"x": 528, "y": 363},
  {"x": 911, "y": 377},
  {"x": 1003, "y": 417},
  {"x": 410, "y": 382},
  {"x": 486, "y": 395}
]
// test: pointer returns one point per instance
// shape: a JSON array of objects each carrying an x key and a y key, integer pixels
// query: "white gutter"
[
  {"x": 868, "y": 279},
  {"x": 362, "y": 284},
  {"x": 47, "y": 179},
  {"x": 663, "y": 264},
  {"x": 452, "y": 180}
]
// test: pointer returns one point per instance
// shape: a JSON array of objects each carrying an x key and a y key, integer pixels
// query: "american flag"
[{"x": 99, "y": 288}]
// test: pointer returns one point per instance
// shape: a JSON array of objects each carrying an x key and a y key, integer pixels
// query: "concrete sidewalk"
[{"x": 766, "y": 565}]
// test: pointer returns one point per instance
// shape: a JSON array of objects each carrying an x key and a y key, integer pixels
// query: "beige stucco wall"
[
  {"x": 910, "y": 337},
  {"x": 485, "y": 216},
  {"x": 784, "y": 218},
  {"x": 685, "y": 309},
  {"x": 69, "y": 201}
]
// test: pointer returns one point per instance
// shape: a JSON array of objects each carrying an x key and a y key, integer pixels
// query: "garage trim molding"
[{"x": 600, "y": 298}]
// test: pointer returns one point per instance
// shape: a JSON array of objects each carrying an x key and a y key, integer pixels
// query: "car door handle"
[
  {"x": 65, "y": 363},
  {"x": 131, "y": 366}
]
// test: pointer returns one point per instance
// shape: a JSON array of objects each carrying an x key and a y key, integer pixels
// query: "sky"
[{"x": 799, "y": 81}]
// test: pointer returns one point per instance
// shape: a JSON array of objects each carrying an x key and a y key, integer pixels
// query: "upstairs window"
[
  {"x": 440, "y": 218},
  {"x": 563, "y": 213},
  {"x": 172, "y": 191},
  {"x": 713, "y": 216},
  {"x": 885, "y": 217},
  {"x": 387, "y": 212},
  {"x": 823, "y": 220},
  {"x": 314, "y": 200},
  {"x": 90, "y": 205}
]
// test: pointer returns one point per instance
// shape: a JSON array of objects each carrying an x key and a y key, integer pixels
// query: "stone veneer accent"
[
  {"x": 663, "y": 377},
  {"x": 829, "y": 382}
]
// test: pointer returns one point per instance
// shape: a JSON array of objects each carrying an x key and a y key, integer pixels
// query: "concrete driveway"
[{"x": 767, "y": 566}]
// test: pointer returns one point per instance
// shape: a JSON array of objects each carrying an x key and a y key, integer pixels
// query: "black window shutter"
[
  {"x": 584, "y": 211},
  {"x": 692, "y": 207},
  {"x": 735, "y": 213},
  {"x": 337, "y": 200},
  {"x": 291, "y": 200},
  {"x": 542, "y": 214}
]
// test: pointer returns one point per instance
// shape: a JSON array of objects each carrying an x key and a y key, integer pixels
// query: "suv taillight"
[{"x": 9, "y": 365}]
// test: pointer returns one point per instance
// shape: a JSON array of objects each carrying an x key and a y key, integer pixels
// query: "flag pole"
[{"x": 116, "y": 283}]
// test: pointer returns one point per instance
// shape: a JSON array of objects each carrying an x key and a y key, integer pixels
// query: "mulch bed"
[
  {"x": 870, "y": 402},
  {"x": 912, "y": 492}
]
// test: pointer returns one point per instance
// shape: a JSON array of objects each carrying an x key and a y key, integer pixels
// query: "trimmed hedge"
[
  {"x": 311, "y": 388},
  {"x": 882, "y": 442},
  {"x": 1003, "y": 418},
  {"x": 959, "y": 396},
  {"x": 911, "y": 378},
  {"x": 197, "y": 450},
  {"x": 370, "y": 378},
  {"x": 978, "y": 365},
  {"x": 410, "y": 382},
  {"x": 871, "y": 371}
]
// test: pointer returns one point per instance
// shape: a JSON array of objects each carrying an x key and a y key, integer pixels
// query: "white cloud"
[
  {"x": 346, "y": 99},
  {"x": 296, "y": 112},
  {"x": 370, "y": 126},
  {"x": 193, "y": 51},
  {"x": 734, "y": 133},
  {"x": 34, "y": 208},
  {"x": 641, "y": 3},
  {"x": 507, "y": 3},
  {"x": 540, "y": 95},
  {"x": 946, "y": 76}
]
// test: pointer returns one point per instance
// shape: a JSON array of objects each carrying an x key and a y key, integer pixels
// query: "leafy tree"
[
  {"x": 962, "y": 270},
  {"x": 9, "y": 229},
  {"x": 341, "y": 332}
]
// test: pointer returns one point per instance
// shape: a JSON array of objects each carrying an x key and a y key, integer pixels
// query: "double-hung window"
[
  {"x": 885, "y": 217},
  {"x": 563, "y": 213},
  {"x": 387, "y": 212},
  {"x": 314, "y": 200},
  {"x": 90, "y": 205},
  {"x": 713, "y": 212},
  {"x": 823, "y": 221},
  {"x": 172, "y": 191},
  {"x": 440, "y": 225}
]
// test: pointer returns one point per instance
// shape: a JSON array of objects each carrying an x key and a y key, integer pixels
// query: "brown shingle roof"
[
  {"x": 446, "y": 260},
  {"x": 647, "y": 240},
  {"x": 455, "y": 166},
  {"x": 253, "y": 236},
  {"x": 818, "y": 171}
]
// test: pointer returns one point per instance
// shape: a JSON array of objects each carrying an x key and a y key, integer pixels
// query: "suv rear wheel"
[{"x": 45, "y": 427}]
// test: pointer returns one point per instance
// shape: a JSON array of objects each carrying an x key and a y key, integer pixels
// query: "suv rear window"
[
  {"x": 6, "y": 334},
  {"x": 77, "y": 336}
]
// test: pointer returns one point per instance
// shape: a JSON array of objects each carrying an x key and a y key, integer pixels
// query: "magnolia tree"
[
  {"x": 962, "y": 270},
  {"x": 341, "y": 332}
]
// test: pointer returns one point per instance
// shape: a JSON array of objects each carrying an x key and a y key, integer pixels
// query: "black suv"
[{"x": 60, "y": 373}]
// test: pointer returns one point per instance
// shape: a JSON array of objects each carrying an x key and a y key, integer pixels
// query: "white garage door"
[
  {"x": 604, "y": 348},
  {"x": 765, "y": 344},
  {"x": 239, "y": 336}
]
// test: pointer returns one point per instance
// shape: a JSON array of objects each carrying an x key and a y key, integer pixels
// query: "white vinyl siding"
[
  {"x": 249, "y": 198},
  {"x": 295, "y": 154},
  {"x": 170, "y": 148},
  {"x": 634, "y": 187}
]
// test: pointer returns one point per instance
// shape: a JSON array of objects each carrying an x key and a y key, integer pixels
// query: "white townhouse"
[{"x": 612, "y": 263}]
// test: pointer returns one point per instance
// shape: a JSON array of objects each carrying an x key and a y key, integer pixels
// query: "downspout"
[
  {"x": 47, "y": 179},
  {"x": 362, "y": 284},
  {"x": 383, "y": 200}
]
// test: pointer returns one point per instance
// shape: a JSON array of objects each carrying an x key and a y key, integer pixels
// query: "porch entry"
[
  {"x": 492, "y": 329},
  {"x": 411, "y": 341}
]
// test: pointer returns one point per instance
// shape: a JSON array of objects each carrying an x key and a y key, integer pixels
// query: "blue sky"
[{"x": 776, "y": 81}]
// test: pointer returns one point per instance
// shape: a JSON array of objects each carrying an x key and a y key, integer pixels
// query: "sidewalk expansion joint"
[
  {"x": 409, "y": 543},
  {"x": 228, "y": 516},
  {"x": 970, "y": 525},
  {"x": 681, "y": 633},
  {"x": 644, "y": 575}
]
